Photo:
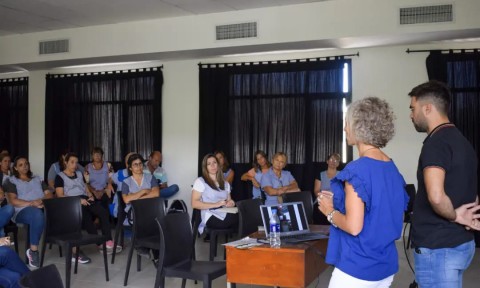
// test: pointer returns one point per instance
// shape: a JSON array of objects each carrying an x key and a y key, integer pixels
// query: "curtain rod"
[
  {"x": 282, "y": 61},
  {"x": 17, "y": 79},
  {"x": 148, "y": 69},
  {"x": 444, "y": 50}
]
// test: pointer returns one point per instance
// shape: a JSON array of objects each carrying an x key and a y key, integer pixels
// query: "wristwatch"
[{"x": 330, "y": 217}]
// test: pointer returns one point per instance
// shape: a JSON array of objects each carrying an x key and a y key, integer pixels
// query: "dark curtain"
[
  {"x": 461, "y": 72},
  {"x": 294, "y": 107},
  {"x": 14, "y": 116},
  {"x": 117, "y": 111}
]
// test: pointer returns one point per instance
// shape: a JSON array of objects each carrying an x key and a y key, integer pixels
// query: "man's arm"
[{"x": 434, "y": 178}]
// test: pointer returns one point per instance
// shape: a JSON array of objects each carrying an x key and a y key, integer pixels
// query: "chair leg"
[
  {"x": 224, "y": 248},
  {"x": 139, "y": 263},
  {"x": 207, "y": 282},
  {"x": 27, "y": 241},
  {"x": 77, "y": 254},
  {"x": 105, "y": 260},
  {"x": 15, "y": 238},
  {"x": 213, "y": 246},
  {"x": 60, "y": 250},
  {"x": 184, "y": 282},
  {"x": 129, "y": 261},
  {"x": 42, "y": 255},
  {"x": 68, "y": 265},
  {"x": 118, "y": 229}
]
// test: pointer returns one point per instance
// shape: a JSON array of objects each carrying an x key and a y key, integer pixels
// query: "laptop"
[{"x": 293, "y": 222}]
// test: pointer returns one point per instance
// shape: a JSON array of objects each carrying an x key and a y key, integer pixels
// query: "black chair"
[
  {"x": 213, "y": 234},
  {"x": 120, "y": 228},
  {"x": 44, "y": 277},
  {"x": 250, "y": 216},
  {"x": 175, "y": 255},
  {"x": 306, "y": 198},
  {"x": 63, "y": 226},
  {"x": 412, "y": 192},
  {"x": 145, "y": 234}
]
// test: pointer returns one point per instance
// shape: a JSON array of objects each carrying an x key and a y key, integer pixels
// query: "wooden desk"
[{"x": 294, "y": 265}]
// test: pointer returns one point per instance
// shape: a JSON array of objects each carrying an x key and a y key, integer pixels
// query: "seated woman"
[
  {"x": 98, "y": 175},
  {"x": 58, "y": 167},
  {"x": 6, "y": 210},
  {"x": 277, "y": 182},
  {"x": 138, "y": 185},
  {"x": 212, "y": 191},
  {"x": 260, "y": 167},
  {"x": 224, "y": 165},
  {"x": 25, "y": 192},
  {"x": 322, "y": 181},
  {"x": 70, "y": 183},
  {"x": 12, "y": 267}
]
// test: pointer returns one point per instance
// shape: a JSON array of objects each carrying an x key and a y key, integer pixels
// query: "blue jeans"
[
  {"x": 34, "y": 218},
  {"x": 6, "y": 213},
  {"x": 442, "y": 268},
  {"x": 11, "y": 268},
  {"x": 169, "y": 191}
]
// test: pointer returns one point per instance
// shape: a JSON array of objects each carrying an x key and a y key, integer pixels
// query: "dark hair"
[
  {"x": 226, "y": 164},
  {"x": 153, "y": 153},
  {"x": 435, "y": 91},
  {"x": 336, "y": 155},
  {"x": 97, "y": 150},
  {"x": 255, "y": 164},
  {"x": 206, "y": 176},
  {"x": 15, "y": 171},
  {"x": 130, "y": 160},
  {"x": 3, "y": 155},
  {"x": 67, "y": 157}
]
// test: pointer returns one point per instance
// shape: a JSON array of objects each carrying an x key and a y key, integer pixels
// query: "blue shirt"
[
  {"x": 269, "y": 179},
  {"x": 371, "y": 255}
]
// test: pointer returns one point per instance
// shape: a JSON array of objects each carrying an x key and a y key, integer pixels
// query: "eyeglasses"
[
  {"x": 137, "y": 164},
  {"x": 333, "y": 160}
]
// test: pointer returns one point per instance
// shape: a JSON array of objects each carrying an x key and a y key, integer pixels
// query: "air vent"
[
  {"x": 236, "y": 31},
  {"x": 52, "y": 47},
  {"x": 426, "y": 14}
]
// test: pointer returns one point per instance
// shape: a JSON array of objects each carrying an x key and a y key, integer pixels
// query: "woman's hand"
[
  {"x": 230, "y": 203},
  {"x": 221, "y": 203},
  {"x": 255, "y": 183},
  {"x": 325, "y": 202},
  {"x": 84, "y": 202},
  {"x": 5, "y": 241}
]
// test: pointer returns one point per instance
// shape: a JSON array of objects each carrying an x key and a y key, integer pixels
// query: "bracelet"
[{"x": 330, "y": 217}]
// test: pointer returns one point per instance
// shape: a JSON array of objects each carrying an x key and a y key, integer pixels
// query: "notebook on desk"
[{"x": 293, "y": 222}]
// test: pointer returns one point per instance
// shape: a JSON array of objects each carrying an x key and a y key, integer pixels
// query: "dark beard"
[{"x": 419, "y": 128}]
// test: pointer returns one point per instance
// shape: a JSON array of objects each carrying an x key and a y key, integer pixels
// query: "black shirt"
[{"x": 446, "y": 148}]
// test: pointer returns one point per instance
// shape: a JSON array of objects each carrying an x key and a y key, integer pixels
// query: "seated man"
[{"x": 152, "y": 166}]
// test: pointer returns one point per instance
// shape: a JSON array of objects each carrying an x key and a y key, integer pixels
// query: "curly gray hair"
[{"x": 371, "y": 121}]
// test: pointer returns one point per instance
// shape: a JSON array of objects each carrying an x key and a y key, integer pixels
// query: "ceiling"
[{"x": 27, "y": 16}]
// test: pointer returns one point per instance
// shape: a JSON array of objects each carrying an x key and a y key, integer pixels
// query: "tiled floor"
[{"x": 92, "y": 275}]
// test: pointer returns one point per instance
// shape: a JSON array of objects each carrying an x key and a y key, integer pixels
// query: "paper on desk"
[{"x": 244, "y": 242}]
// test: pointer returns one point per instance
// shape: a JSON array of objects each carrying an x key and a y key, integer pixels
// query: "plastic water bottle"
[{"x": 274, "y": 235}]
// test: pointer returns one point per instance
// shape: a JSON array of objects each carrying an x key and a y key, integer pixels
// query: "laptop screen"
[{"x": 293, "y": 219}]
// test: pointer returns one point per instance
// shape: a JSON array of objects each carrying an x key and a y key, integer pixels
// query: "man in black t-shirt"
[{"x": 446, "y": 201}]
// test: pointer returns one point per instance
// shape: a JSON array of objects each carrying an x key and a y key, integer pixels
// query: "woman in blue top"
[
  {"x": 228, "y": 173},
  {"x": 322, "y": 183},
  {"x": 277, "y": 182},
  {"x": 261, "y": 165},
  {"x": 369, "y": 199}
]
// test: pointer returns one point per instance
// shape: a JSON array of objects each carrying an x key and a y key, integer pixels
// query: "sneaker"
[
  {"x": 144, "y": 252},
  {"x": 82, "y": 258},
  {"x": 110, "y": 246},
  {"x": 33, "y": 258}
]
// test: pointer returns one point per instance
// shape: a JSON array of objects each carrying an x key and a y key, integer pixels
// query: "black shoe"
[
  {"x": 144, "y": 252},
  {"x": 207, "y": 238}
]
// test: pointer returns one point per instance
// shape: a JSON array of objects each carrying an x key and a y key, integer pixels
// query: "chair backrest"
[
  {"x": 249, "y": 216},
  {"x": 43, "y": 277},
  {"x": 63, "y": 216},
  {"x": 121, "y": 214},
  {"x": 175, "y": 239},
  {"x": 306, "y": 198},
  {"x": 144, "y": 213},
  {"x": 178, "y": 206}
]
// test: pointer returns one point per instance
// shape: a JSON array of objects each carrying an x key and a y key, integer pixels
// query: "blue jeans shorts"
[{"x": 444, "y": 267}]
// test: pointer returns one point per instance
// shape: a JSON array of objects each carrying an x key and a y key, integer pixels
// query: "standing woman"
[
  {"x": 322, "y": 183},
  {"x": 212, "y": 191},
  {"x": 98, "y": 175},
  {"x": 224, "y": 165},
  {"x": 260, "y": 167},
  {"x": 25, "y": 192},
  {"x": 70, "y": 183},
  {"x": 368, "y": 201}
]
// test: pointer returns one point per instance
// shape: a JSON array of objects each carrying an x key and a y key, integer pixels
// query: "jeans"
[
  {"x": 11, "y": 268},
  {"x": 6, "y": 213},
  {"x": 444, "y": 267},
  {"x": 169, "y": 191},
  {"x": 32, "y": 216}
]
